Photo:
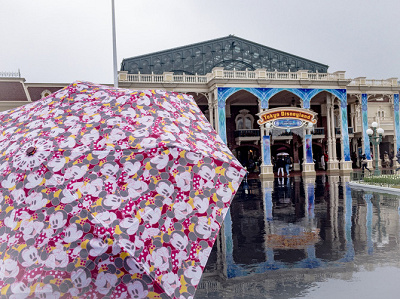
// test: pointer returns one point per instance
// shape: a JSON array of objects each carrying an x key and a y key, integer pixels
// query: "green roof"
[{"x": 230, "y": 52}]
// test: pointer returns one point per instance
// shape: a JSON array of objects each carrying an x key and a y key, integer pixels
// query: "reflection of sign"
[
  {"x": 287, "y": 113},
  {"x": 288, "y": 123},
  {"x": 295, "y": 241}
]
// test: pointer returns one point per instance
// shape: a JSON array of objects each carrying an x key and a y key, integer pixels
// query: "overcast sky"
[{"x": 62, "y": 41}]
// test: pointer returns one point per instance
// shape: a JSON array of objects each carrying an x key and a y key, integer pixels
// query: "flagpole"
[{"x": 114, "y": 46}]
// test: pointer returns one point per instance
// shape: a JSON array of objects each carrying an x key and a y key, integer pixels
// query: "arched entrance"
[{"x": 249, "y": 156}]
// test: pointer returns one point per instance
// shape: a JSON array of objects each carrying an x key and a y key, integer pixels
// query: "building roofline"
[{"x": 220, "y": 39}]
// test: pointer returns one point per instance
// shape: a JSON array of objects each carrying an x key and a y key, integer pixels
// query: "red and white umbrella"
[{"x": 110, "y": 192}]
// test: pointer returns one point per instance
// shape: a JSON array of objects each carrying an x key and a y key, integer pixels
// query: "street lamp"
[
  {"x": 115, "y": 67},
  {"x": 375, "y": 137}
]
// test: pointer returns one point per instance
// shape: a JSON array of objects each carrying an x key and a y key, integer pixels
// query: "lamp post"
[
  {"x": 375, "y": 137},
  {"x": 115, "y": 67}
]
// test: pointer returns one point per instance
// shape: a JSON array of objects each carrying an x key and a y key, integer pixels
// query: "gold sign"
[{"x": 287, "y": 113}]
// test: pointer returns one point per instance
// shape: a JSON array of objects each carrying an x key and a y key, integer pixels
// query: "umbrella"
[
  {"x": 110, "y": 193},
  {"x": 282, "y": 154}
]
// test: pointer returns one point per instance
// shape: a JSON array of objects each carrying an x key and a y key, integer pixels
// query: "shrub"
[{"x": 383, "y": 180}]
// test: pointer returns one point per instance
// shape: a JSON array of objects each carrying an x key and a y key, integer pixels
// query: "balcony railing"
[
  {"x": 220, "y": 73},
  {"x": 259, "y": 74},
  {"x": 10, "y": 74},
  {"x": 372, "y": 82},
  {"x": 247, "y": 133},
  {"x": 350, "y": 130},
  {"x": 319, "y": 131}
]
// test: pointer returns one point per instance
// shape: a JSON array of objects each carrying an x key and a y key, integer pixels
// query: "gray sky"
[{"x": 66, "y": 40}]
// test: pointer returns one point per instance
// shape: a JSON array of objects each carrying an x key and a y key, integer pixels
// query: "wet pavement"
[{"x": 306, "y": 238}]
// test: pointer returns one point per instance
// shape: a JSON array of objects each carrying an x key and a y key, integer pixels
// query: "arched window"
[
  {"x": 380, "y": 113},
  {"x": 45, "y": 93},
  {"x": 244, "y": 120}
]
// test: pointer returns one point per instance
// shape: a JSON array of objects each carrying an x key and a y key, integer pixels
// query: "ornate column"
[
  {"x": 396, "y": 118},
  {"x": 215, "y": 105},
  {"x": 333, "y": 164},
  {"x": 334, "y": 155},
  {"x": 365, "y": 138},
  {"x": 308, "y": 162},
  {"x": 267, "y": 170},
  {"x": 345, "y": 163},
  {"x": 211, "y": 108},
  {"x": 328, "y": 127}
]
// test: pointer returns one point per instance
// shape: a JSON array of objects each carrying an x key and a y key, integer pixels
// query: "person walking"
[
  {"x": 364, "y": 163},
  {"x": 398, "y": 158},
  {"x": 288, "y": 162},
  {"x": 280, "y": 164},
  {"x": 326, "y": 159}
]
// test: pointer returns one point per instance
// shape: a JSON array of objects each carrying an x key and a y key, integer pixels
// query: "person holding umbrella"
[{"x": 280, "y": 164}]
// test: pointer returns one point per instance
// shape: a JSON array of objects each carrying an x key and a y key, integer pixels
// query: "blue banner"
[
  {"x": 308, "y": 139},
  {"x": 267, "y": 150}
]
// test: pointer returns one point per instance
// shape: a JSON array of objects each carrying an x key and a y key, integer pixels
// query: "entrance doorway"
[{"x": 249, "y": 156}]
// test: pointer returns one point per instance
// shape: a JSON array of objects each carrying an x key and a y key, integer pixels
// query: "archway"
[{"x": 249, "y": 156}]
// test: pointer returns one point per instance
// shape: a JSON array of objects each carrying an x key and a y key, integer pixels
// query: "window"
[
  {"x": 244, "y": 120},
  {"x": 45, "y": 93}
]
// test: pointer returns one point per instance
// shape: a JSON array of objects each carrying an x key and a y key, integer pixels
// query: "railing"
[
  {"x": 373, "y": 82},
  {"x": 260, "y": 74},
  {"x": 10, "y": 74},
  {"x": 350, "y": 130},
  {"x": 319, "y": 131},
  {"x": 155, "y": 78},
  {"x": 378, "y": 83},
  {"x": 285, "y": 134},
  {"x": 247, "y": 133},
  {"x": 229, "y": 74},
  {"x": 239, "y": 74}
]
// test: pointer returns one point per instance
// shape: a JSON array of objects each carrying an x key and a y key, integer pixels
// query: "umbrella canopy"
[
  {"x": 110, "y": 193},
  {"x": 282, "y": 154}
]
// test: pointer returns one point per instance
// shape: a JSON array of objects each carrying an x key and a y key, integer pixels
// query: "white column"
[
  {"x": 341, "y": 139},
  {"x": 262, "y": 133},
  {"x": 215, "y": 103},
  {"x": 267, "y": 170},
  {"x": 334, "y": 158},
  {"x": 395, "y": 149},
  {"x": 333, "y": 165},
  {"x": 211, "y": 108},
  {"x": 328, "y": 127}
]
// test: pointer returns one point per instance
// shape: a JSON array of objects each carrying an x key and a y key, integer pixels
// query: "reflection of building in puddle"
[
  {"x": 327, "y": 225},
  {"x": 291, "y": 237}
]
